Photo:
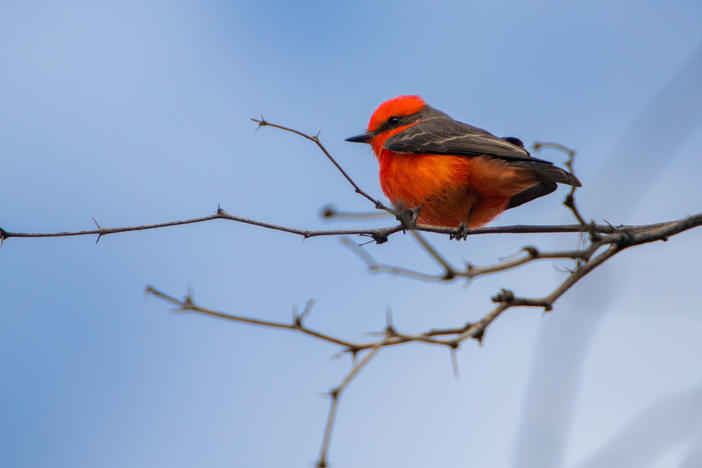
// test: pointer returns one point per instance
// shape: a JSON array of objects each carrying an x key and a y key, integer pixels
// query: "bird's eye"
[{"x": 394, "y": 120}]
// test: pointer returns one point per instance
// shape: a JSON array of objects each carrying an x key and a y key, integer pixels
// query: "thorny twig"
[
  {"x": 609, "y": 244},
  {"x": 569, "y": 201},
  {"x": 380, "y": 235},
  {"x": 335, "y": 394},
  {"x": 315, "y": 139},
  {"x": 605, "y": 241},
  {"x": 452, "y": 338}
]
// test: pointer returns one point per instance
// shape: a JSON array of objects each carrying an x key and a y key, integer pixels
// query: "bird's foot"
[
  {"x": 461, "y": 232},
  {"x": 408, "y": 218}
]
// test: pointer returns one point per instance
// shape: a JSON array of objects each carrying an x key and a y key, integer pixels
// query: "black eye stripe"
[{"x": 395, "y": 121}]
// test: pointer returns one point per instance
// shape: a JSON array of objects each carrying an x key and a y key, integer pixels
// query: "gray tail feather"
[
  {"x": 548, "y": 173},
  {"x": 538, "y": 190},
  {"x": 556, "y": 174}
]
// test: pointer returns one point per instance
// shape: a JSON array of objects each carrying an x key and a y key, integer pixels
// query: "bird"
[{"x": 451, "y": 173}]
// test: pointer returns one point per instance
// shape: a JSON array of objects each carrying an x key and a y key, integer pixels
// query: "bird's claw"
[
  {"x": 408, "y": 218},
  {"x": 461, "y": 232}
]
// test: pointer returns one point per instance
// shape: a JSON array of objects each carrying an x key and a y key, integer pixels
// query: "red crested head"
[
  {"x": 399, "y": 106},
  {"x": 391, "y": 117}
]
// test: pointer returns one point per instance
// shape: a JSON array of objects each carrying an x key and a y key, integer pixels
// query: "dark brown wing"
[{"x": 443, "y": 135}]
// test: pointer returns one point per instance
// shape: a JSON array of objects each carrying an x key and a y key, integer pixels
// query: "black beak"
[{"x": 362, "y": 138}]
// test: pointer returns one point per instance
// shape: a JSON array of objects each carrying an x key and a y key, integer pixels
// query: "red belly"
[{"x": 451, "y": 189}]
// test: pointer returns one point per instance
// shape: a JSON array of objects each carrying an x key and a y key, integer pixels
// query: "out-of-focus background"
[{"x": 138, "y": 112}]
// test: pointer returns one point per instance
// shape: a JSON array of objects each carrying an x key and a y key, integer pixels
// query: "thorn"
[
  {"x": 448, "y": 276},
  {"x": 99, "y": 229},
  {"x": 516, "y": 254},
  {"x": 614, "y": 228},
  {"x": 389, "y": 329},
  {"x": 261, "y": 122},
  {"x": 298, "y": 318},
  {"x": 188, "y": 302},
  {"x": 334, "y": 393},
  {"x": 564, "y": 269},
  {"x": 479, "y": 336},
  {"x": 568, "y": 201},
  {"x": 308, "y": 308},
  {"x": 531, "y": 250},
  {"x": 3, "y": 236},
  {"x": 505, "y": 295},
  {"x": 328, "y": 211},
  {"x": 379, "y": 237},
  {"x": 454, "y": 359}
]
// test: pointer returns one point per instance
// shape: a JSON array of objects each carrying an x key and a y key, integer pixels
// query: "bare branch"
[
  {"x": 431, "y": 250},
  {"x": 315, "y": 139},
  {"x": 569, "y": 200},
  {"x": 335, "y": 395},
  {"x": 329, "y": 211},
  {"x": 187, "y": 305},
  {"x": 220, "y": 214},
  {"x": 613, "y": 244},
  {"x": 379, "y": 235},
  {"x": 529, "y": 254},
  {"x": 452, "y": 338}
]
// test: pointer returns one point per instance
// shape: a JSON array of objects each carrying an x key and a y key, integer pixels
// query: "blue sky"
[{"x": 138, "y": 112}]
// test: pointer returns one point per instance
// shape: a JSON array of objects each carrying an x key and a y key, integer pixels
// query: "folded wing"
[{"x": 443, "y": 135}]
